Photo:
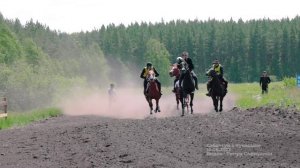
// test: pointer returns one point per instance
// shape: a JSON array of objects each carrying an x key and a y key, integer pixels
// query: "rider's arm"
[
  {"x": 142, "y": 74},
  {"x": 190, "y": 64},
  {"x": 156, "y": 73},
  {"x": 221, "y": 71}
]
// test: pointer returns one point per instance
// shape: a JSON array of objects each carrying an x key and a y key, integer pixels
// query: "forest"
[{"x": 38, "y": 64}]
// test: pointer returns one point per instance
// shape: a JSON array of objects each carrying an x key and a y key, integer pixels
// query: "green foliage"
[
  {"x": 249, "y": 95},
  {"x": 19, "y": 119},
  {"x": 273, "y": 78},
  {"x": 9, "y": 46},
  {"x": 289, "y": 82}
]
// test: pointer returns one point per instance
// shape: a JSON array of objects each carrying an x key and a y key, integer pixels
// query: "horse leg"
[
  {"x": 182, "y": 106},
  {"x": 187, "y": 104},
  {"x": 157, "y": 106},
  {"x": 191, "y": 102},
  {"x": 221, "y": 103},
  {"x": 177, "y": 101},
  {"x": 150, "y": 105},
  {"x": 215, "y": 102}
]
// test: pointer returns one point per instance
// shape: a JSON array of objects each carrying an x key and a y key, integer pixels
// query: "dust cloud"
[{"x": 129, "y": 102}]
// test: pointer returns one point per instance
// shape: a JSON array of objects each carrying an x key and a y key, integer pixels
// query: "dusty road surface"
[{"x": 267, "y": 137}]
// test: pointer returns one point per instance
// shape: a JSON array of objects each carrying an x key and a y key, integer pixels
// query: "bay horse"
[
  {"x": 152, "y": 92},
  {"x": 187, "y": 90},
  {"x": 175, "y": 72},
  {"x": 217, "y": 90}
]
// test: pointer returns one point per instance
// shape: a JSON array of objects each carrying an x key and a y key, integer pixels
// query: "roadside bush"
[{"x": 289, "y": 82}]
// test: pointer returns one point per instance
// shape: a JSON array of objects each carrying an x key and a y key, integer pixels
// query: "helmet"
[
  {"x": 216, "y": 61},
  {"x": 149, "y": 64},
  {"x": 179, "y": 60},
  {"x": 185, "y": 53}
]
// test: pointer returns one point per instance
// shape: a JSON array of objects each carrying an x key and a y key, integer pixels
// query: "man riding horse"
[
  {"x": 186, "y": 63},
  {"x": 145, "y": 73},
  {"x": 218, "y": 68}
]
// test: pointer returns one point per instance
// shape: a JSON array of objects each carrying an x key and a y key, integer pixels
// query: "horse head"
[
  {"x": 211, "y": 73},
  {"x": 151, "y": 75},
  {"x": 174, "y": 71}
]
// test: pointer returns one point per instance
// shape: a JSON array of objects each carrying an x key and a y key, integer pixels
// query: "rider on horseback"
[
  {"x": 218, "y": 68},
  {"x": 145, "y": 73},
  {"x": 176, "y": 72},
  {"x": 186, "y": 63}
]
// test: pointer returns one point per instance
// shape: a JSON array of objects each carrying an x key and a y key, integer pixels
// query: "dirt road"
[{"x": 266, "y": 137}]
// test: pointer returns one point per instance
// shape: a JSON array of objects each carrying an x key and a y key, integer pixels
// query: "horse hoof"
[{"x": 182, "y": 115}]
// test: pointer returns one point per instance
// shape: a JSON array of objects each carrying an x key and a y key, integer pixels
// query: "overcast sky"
[{"x": 77, "y": 15}]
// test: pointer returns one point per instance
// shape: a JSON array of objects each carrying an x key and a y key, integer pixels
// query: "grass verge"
[
  {"x": 249, "y": 95},
  {"x": 19, "y": 119}
]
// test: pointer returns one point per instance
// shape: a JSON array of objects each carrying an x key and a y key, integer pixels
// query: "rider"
[
  {"x": 187, "y": 64},
  {"x": 144, "y": 74},
  {"x": 219, "y": 71},
  {"x": 177, "y": 74}
]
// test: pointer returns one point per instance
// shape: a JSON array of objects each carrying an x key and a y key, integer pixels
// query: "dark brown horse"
[
  {"x": 152, "y": 92},
  {"x": 187, "y": 90},
  {"x": 217, "y": 90},
  {"x": 184, "y": 91}
]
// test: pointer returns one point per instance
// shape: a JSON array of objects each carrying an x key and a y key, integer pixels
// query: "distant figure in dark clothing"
[
  {"x": 264, "y": 82},
  {"x": 112, "y": 94},
  {"x": 111, "y": 91}
]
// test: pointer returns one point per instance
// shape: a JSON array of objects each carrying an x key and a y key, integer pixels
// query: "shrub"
[{"x": 289, "y": 82}]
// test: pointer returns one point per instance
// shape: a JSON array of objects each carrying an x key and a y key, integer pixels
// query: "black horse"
[
  {"x": 187, "y": 90},
  {"x": 218, "y": 91}
]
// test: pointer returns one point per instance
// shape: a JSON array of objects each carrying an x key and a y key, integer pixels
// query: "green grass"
[
  {"x": 19, "y": 119},
  {"x": 249, "y": 95}
]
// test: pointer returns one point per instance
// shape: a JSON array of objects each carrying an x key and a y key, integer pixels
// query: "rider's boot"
[
  {"x": 196, "y": 82},
  {"x": 159, "y": 87},
  {"x": 209, "y": 93}
]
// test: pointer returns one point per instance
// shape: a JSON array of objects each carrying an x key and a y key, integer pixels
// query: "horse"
[
  {"x": 152, "y": 92},
  {"x": 187, "y": 90},
  {"x": 217, "y": 90},
  {"x": 175, "y": 72}
]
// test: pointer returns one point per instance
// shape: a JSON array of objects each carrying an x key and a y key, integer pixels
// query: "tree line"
[
  {"x": 39, "y": 64},
  {"x": 245, "y": 48}
]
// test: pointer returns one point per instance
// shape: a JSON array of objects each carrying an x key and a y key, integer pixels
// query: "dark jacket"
[
  {"x": 144, "y": 71},
  {"x": 190, "y": 64},
  {"x": 264, "y": 80}
]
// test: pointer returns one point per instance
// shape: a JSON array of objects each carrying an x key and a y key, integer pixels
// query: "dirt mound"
[
  {"x": 237, "y": 138},
  {"x": 290, "y": 112}
]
